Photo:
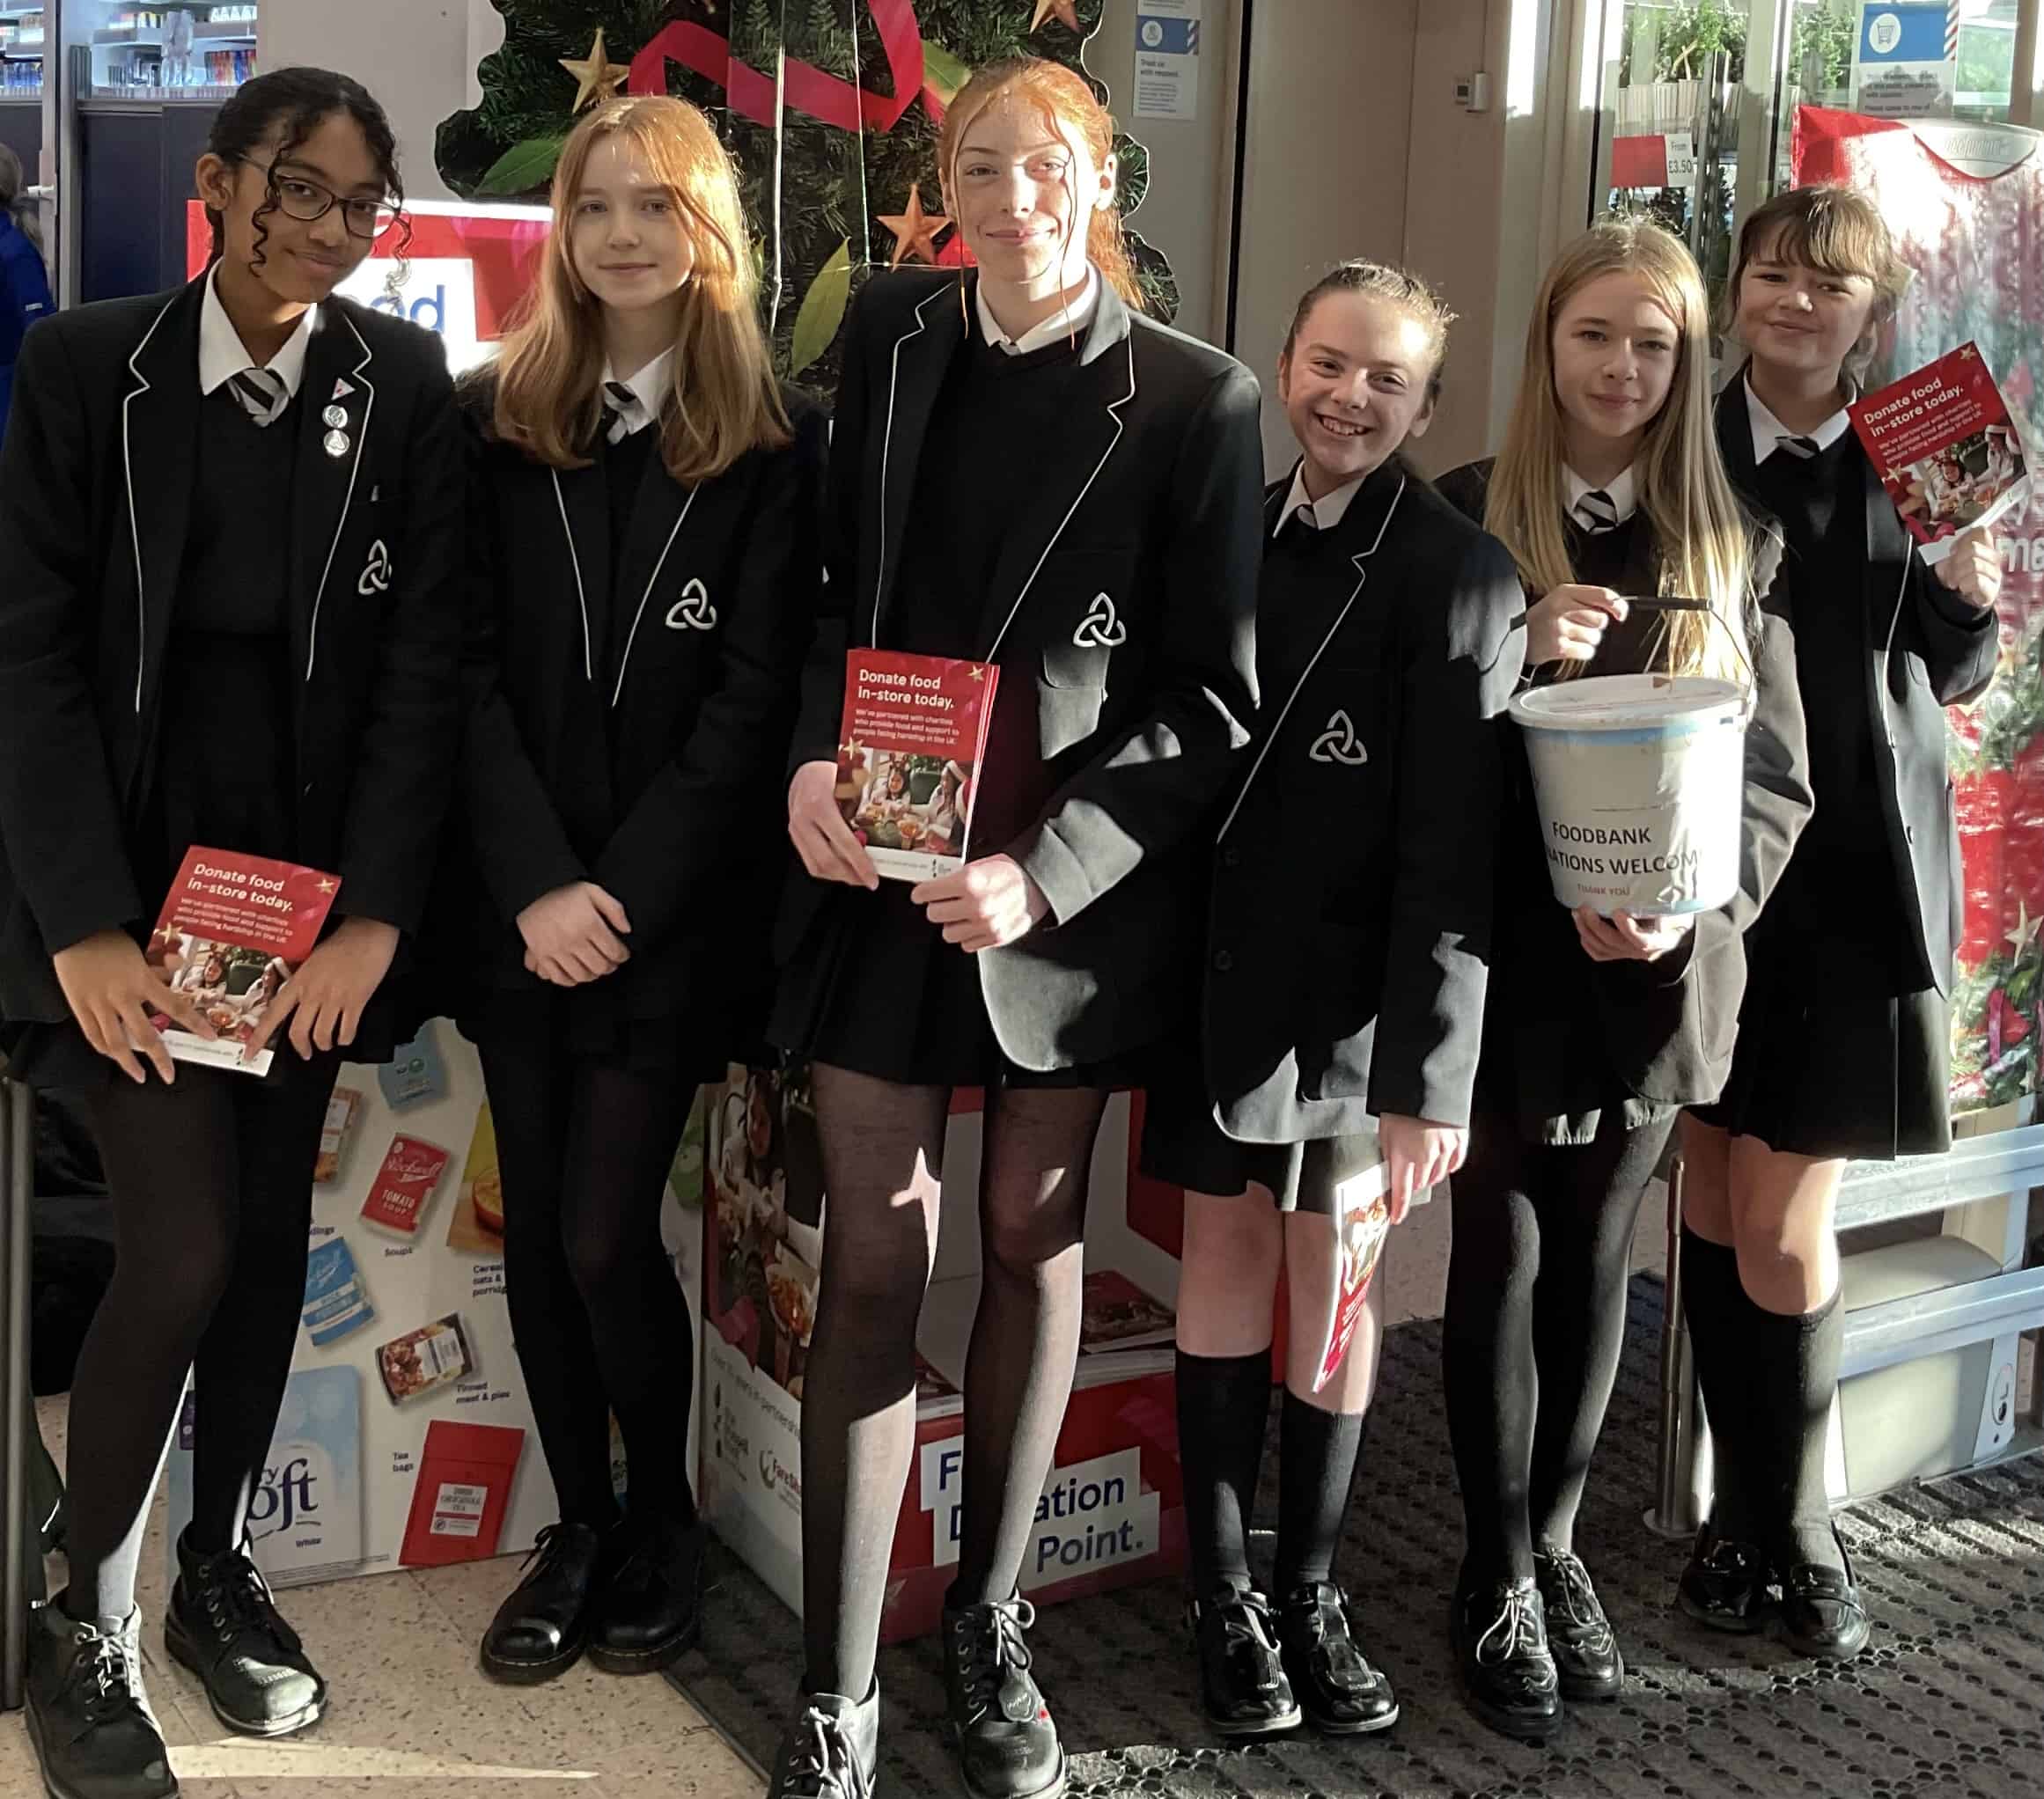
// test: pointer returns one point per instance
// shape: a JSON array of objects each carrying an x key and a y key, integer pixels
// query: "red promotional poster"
[
  {"x": 1362, "y": 1223},
  {"x": 233, "y": 931},
  {"x": 908, "y": 757},
  {"x": 1945, "y": 447}
]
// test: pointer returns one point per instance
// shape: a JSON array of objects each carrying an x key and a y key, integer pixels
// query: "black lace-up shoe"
[
  {"x": 224, "y": 1624},
  {"x": 995, "y": 1719},
  {"x": 1501, "y": 1652},
  {"x": 1338, "y": 1689},
  {"x": 832, "y": 1750},
  {"x": 90, "y": 1723},
  {"x": 1579, "y": 1636},
  {"x": 1242, "y": 1679},
  {"x": 1725, "y": 1585},
  {"x": 1821, "y": 1611},
  {"x": 543, "y": 1626},
  {"x": 650, "y": 1610}
]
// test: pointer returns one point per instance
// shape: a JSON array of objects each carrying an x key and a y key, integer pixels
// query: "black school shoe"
[
  {"x": 1243, "y": 1685},
  {"x": 650, "y": 1612},
  {"x": 1821, "y": 1611},
  {"x": 1337, "y": 1688},
  {"x": 223, "y": 1624},
  {"x": 1725, "y": 1585},
  {"x": 543, "y": 1625},
  {"x": 93, "y": 1730},
  {"x": 832, "y": 1751},
  {"x": 1579, "y": 1635},
  {"x": 1507, "y": 1671},
  {"x": 995, "y": 1717}
]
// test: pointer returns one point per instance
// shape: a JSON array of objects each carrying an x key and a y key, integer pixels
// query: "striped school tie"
[
  {"x": 1596, "y": 513},
  {"x": 262, "y": 394},
  {"x": 1803, "y": 449},
  {"x": 622, "y": 414}
]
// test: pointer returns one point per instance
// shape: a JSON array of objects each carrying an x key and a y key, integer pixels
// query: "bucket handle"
[{"x": 1661, "y": 603}]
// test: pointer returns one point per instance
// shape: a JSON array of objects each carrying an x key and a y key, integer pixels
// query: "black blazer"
[
  {"x": 1939, "y": 652},
  {"x": 93, "y": 515},
  {"x": 629, "y": 725},
  {"x": 1350, "y": 915},
  {"x": 1123, "y": 600},
  {"x": 1666, "y": 1028}
]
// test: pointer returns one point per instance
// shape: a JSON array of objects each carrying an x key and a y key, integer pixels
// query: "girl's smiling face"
[
  {"x": 1356, "y": 381},
  {"x": 1022, "y": 191},
  {"x": 1801, "y": 320},
  {"x": 628, "y": 239},
  {"x": 1615, "y": 351},
  {"x": 300, "y": 261}
]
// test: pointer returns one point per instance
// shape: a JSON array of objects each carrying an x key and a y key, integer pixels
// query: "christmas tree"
[{"x": 815, "y": 191}]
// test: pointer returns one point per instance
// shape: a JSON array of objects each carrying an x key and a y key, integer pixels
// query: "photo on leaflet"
[
  {"x": 1958, "y": 486},
  {"x": 231, "y": 984},
  {"x": 900, "y": 800}
]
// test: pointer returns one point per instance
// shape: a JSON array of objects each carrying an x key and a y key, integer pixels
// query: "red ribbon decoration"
[{"x": 808, "y": 89}]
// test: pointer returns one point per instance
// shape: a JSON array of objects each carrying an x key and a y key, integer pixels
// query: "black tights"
[
  {"x": 600, "y": 1320},
  {"x": 1535, "y": 1322},
  {"x": 883, "y": 1152},
  {"x": 211, "y": 1180}
]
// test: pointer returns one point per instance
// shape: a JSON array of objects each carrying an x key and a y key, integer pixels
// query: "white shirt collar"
[
  {"x": 1622, "y": 493},
  {"x": 1070, "y": 322},
  {"x": 649, "y": 387},
  {"x": 222, "y": 355},
  {"x": 1768, "y": 431},
  {"x": 1323, "y": 514}
]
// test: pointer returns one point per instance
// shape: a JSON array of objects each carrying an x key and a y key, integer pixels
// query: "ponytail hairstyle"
[
  {"x": 1703, "y": 540},
  {"x": 299, "y": 100},
  {"x": 723, "y": 399},
  {"x": 1835, "y": 230},
  {"x": 1395, "y": 287},
  {"x": 1075, "y": 115}
]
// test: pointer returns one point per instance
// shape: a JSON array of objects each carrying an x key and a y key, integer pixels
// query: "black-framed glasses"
[{"x": 307, "y": 201}]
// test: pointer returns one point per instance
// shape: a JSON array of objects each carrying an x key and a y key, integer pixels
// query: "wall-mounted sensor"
[{"x": 1474, "y": 95}]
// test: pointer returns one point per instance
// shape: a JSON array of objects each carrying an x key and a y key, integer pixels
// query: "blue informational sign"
[{"x": 1910, "y": 30}]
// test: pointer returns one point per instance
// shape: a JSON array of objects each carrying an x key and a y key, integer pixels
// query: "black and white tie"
[
  {"x": 1803, "y": 449},
  {"x": 622, "y": 414},
  {"x": 1596, "y": 513},
  {"x": 262, "y": 394}
]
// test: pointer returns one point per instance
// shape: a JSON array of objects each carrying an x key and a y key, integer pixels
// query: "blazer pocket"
[{"x": 1067, "y": 665}]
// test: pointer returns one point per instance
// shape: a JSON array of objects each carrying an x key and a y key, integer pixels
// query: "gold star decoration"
[
  {"x": 1065, "y": 11},
  {"x": 916, "y": 231},
  {"x": 599, "y": 78},
  {"x": 325, "y": 887},
  {"x": 2026, "y": 928}
]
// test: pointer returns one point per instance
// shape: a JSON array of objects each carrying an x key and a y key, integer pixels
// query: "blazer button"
[
  {"x": 308, "y": 789},
  {"x": 1223, "y": 960},
  {"x": 1230, "y": 857},
  {"x": 1908, "y": 833}
]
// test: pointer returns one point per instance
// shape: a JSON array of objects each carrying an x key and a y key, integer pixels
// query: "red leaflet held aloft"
[
  {"x": 1942, "y": 445},
  {"x": 908, "y": 757},
  {"x": 233, "y": 931}
]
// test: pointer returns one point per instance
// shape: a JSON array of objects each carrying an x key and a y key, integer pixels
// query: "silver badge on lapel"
[
  {"x": 376, "y": 576},
  {"x": 1338, "y": 743},
  {"x": 336, "y": 417},
  {"x": 342, "y": 388},
  {"x": 693, "y": 611},
  {"x": 1101, "y": 628},
  {"x": 338, "y": 444}
]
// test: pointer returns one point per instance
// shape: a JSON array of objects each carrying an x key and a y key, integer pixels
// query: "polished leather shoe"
[
  {"x": 995, "y": 1717},
  {"x": 650, "y": 1612},
  {"x": 223, "y": 1624},
  {"x": 1337, "y": 1688},
  {"x": 87, "y": 1716},
  {"x": 543, "y": 1626},
  {"x": 1821, "y": 1612},
  {"x": 832, "y": 1751},
  {"x": 1579, "y": 1636},
  {"x": 1243, "y": 1685},
  {"x": 1507, "y": 1671},
  {"x": 1725, "y": 1585}
]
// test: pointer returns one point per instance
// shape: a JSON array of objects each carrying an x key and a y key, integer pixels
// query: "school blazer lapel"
[
  {"x": 339, "y": 372},
  {"x": 579, "y": 501},
  {"x": 672, "y": 576},
  {"x": 159, "y": 422},
  {"x": 916, "y": 371},
  {"x": 1104, "y": 387}
]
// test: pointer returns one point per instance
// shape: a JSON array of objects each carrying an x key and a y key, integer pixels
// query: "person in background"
[{"x": 24, "y": 294}]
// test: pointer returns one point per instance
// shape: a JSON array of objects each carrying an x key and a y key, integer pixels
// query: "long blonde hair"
[
  {"x": 1066, "y": 100},
  {"x": 1703, "y": 538},
  {"x": 724, "y": 399}
]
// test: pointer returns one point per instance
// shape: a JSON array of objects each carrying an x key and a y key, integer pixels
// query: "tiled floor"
[{"x": 411, "y": 1716}]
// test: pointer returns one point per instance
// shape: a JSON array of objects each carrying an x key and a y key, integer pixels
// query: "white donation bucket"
[{"x": 1640, "y": 781}]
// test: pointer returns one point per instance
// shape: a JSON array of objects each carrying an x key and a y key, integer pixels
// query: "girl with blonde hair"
[
  {"x": 643, "y": 568},
  {"x": 1610, "y": 495}
]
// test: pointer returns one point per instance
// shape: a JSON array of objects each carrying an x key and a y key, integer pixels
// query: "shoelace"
[
  {"x": 1515, "y": 1621},
  {"x": 240, "y": 1602},
  {"x": 1579, "y": 1604},
  {"x": 548, "y": 1549},
  {"x": 1247, "y": 1632},
  {"x": 105, "y": 1667},
  {"x": 823, "y": 1765},
  {"x": 994, "y": 1648}
]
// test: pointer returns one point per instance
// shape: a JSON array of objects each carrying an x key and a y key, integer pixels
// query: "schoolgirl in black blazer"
[
  {"x": 1346, "y": 934},
  {"x": 1025, "y": 470},
  {"x": 230, "y": 518},
  {"x": 1597, "y": 1029},
  {"x": 645, "y": 566},
  {"x": 1844, "y": 1052}
]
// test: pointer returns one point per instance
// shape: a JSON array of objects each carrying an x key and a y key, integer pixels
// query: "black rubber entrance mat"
[{"x": 1948, "y": 1703}]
